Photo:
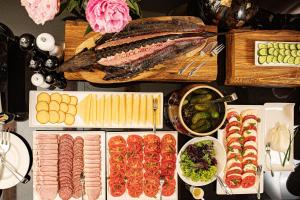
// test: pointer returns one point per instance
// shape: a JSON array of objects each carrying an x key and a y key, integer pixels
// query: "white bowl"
[{"x": 220, "y": 157}]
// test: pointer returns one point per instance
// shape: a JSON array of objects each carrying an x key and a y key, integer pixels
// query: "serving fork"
[
  {"x": 258, "y": 173},
  {"x": 155, "y": 107},
  {"x": 268, "y": 151},
  {"x": 4, "y": 148},
  {"x": 223, "y": 185},
  {"x": 214, "y": 52},
  {"x": 161, "y": 182}
]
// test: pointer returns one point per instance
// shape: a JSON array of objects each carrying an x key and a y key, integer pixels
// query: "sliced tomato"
[
  {"x": 151, "y": 187},
  {"x": 168, "y": 148},
  {"x": 116, "y": 140},
  {"x": 232, "y": 132},
  {"x": 237, "y": 156},
  {"x": 169, "y": 165},
  {"x": 134, "y": 173},
  {"x": 117, "y": 158},
  {"x": 152, "y": 148},
  {"x": 250, "y": 162},
  {"x": 168, "y": 187},
  {"x": 135, "y": 147},
  {"x": 249, "y": 147},
  {"x": 135, "y": 155},
  {"x": 117, "y": 189},
  {"x": 151, "y": 139},
  {"x": 117, "y": 166},
  {"x": 250, "y": 171},
  {"x": 116, "y": 174},
  {"x": 234, "y": 171},
  {"x": 153, "y": 174},
  {"x": 168, "y": 139},
  {"x": 233, "y": 114},
  {"x": 249, "y": 138},
  {"x": 248, "y": 181},
  {"x": 135, "y": 187},
  {"x": 168, "y": 157},
  {"x": 230, "y": 124},
  {"x": 233, "y": 181},
  {"x": 134, "y": 164},
  {"x": 152, "y": 156},
  {"x": 236, "y": 164},
  {"x": 234, "y": 140},
  {"x": 118, "y": 149},
  {"x": 251, "y": 127},
  {"x": 135, "y": 139},
  {"x": 250, "y": 117},
  {"x": 151, "y": 166},
  {"x": 230, "y": 148}
]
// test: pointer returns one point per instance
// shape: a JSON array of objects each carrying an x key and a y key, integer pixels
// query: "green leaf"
[
  {"x": 72, "y": 4},
  {"x": 88, "y": 30},
  {"x": 134, "y": 7}
]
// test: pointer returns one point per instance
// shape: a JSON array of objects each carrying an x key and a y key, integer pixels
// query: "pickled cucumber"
[
  {"x": 200, "y": 91},
  {"x": 294, "y": 53},
  {"x": 200, "y": 115},
  {"x": 204, "y": 127},
  {"x": 201, "y": 107},
  {"x": 185, "y": 102},
  {"x": 200, "y": 123},
  {"x": 262, "y": 46},
  {"x": 271, "y": 51},
  {"x": 281, "y": 52},
  {"x": 201, "y": 98},
  {"x": 281, "y": 46},
  {"x": 286, "y": 46},
  {"x": 263, "y": 52},
  {"x": 262, "y": 59},
  {"x": 293, "y": 46}
]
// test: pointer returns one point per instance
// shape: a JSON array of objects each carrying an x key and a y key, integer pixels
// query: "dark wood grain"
[
  {"x": 10, "y": 194},
  {"x": 166, "y": 72},
  {"x": 240, "y": 66}
]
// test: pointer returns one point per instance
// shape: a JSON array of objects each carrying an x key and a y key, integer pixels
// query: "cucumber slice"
[
  {"x": 286, "y": 59},
  {"x": 286, "y": 46},
  {"x": 276, "y": 46},
  {"x": 293, "y": 46},
  {"x": 297, "y": 60},
  {"x": 298, "y": 46},
  {"x": 298, "y": 53},
  {"x": 280, "y": 58},
  {"x": 287, "y": 52},
  {"x": 271, "y": 51},
  {"x": 263, "y": 52},
  {"x": 262, "y": 59},
  {"x": 270, "y": 45},
  {"x": 276, "y": 52},
  {"x": 281, "y": 51},
  {"x": 294, "y": 53},
  {"x": 275, "y": 60},
  {"x": 291, "y": 60},
  {"x": 281, "y": 46},
  {"x": 262, "y": 46},
  {"x": 269, "y": 58}
]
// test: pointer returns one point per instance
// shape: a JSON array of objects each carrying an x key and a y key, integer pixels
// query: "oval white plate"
[
  {"x": 18, "y": 156},
  {"x": 220, "y": 156}
]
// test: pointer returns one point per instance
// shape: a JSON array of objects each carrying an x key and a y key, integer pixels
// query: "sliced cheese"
[
  {"x": 250, "y": 167},
  {"x": 233, "y": 119},
  {"x": 234, "y": 128},
  {"x": 235, "y": 144},
  {"x": 249, "y": 152},
  {"x": 136, "y": 109},
  {"x": 249, "y": 158},
  {"x": 233, "y": 152},
  {"x": 87, "y": 109},
  {"x": 247, "y": 174},
  {"x": 107, "y": 110},
  {"x": 249, "y": 122},
  {"x": 93, "y": 109},
  {"x": 122, "y": 110},
  {"x": 249, "y": 112},
  {"x": 115, "y": 110},
  {"x": 100, "y": 110},
  {"x": 149, "y": 113},
  {"x": 239, "y": 175},
  {"x": 129, "y": 108},
  {"x": 234, "y": 168},
  {"x": 234, "y": 135},
  {"x": 158, "y": 111},
  {"x": 143, "y": 110},
  {"x": 250, "y": 143},
  {"x": 231, "y": 161},
  {"x": 248, "y": 133}
]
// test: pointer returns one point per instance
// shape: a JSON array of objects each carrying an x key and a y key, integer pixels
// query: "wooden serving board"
[
  {"x": 164, "y": 72},
  {"x": 240, "y": 64}
]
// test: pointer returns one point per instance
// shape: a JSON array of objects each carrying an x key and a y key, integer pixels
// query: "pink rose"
[
  {"x": 107, "y": 16},
  {"x": 41, "y": 11}
]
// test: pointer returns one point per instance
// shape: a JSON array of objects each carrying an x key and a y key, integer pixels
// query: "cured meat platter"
[
  {"x": 243, "y": 139},
  {"x": 95, "y": 109},
  {"x": 59, "y": 158},
  {"x": 166, "y": 70},
  {"x": 135, "y": 163}
]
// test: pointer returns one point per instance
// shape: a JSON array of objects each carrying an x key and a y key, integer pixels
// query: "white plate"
[
  {"x": 220, "y": 156},
  {"x": 126, "y": 196},
  {"x": 18, "y": 156},
  {"x": 75, "y": 134},
  {"x": 271, "y": 64},
  {"x": 283, "y": 113},
  {"x": 79, "y": 123},
  {"x": 260, "y": 143}
]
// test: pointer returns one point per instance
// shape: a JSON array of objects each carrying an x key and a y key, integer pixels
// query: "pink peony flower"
[
  {"x": 41, "y": 11},
  {"x": 107, "y": 16}
]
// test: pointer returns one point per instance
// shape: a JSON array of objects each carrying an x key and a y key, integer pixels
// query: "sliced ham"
[
  {"x": 91, "y": 148},
  {"x": 90, "y": 137},
  {"x": 46, "y": 141},
  {"x": 46, "y": 169},
  {"x": 93, "y": 193},
  {"x": 45, "y": 178},
  {"x": 93, "y": 153},
  {"x": 47, "y": 192},
  {"x": 92, "y": 143},
  {"x": 45, "y": 147},
  {"x": 46, "y": 136}
]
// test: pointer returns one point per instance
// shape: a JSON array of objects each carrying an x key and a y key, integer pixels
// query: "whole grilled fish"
[{"x": 141, "y": 45}]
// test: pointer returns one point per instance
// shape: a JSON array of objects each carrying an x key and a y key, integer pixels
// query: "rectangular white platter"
[
  {"x": 260, "y": 141},
  {"x": 126, "y": 196},
  {"x": 79, "y": 122},
  {"x": 283, "y": 113},
  {"x": 75, "y": 134},
  {"x": 272, "y": 64}
]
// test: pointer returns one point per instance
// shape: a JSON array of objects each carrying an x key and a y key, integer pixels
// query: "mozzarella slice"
[
  {"x": 235, "y": 144},
  {"x": 247, "y": 174},
  {"x": 234, "y": 128},
  {"x": 249, "y": 152},
  {"x": 239, "y": 175},
  {"x": 248, "y": 133},
  {"x": 233, "y": 119},
  {"x": 230, "y": 162},
  {"x": 233, "y": 151},
  {"x": 234, "y": 135},
  {"x": 249, "y": 122},
  {"x": 249, "y": 112},
  {"x": 250, "y": 166},
  {"x": 249, "y": 158},
  {"x": 234, "y": 168},
  {"x": 250, "y": 143}
]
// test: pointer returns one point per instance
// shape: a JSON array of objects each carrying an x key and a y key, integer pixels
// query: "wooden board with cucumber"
[{"x": 277, "y": 53}]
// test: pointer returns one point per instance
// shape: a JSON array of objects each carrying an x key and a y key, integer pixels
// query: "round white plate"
[
  {"x": 220, "y": 156},
  {"x": 18, "y": 156}
]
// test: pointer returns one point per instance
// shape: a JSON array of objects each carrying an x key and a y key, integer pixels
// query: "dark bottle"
[
  {"x": 51, "y": 64},
  {"x": 61, "y": 83},
  {"x": 27, "y": 42},
  {"x": 35, "y": 63}
]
